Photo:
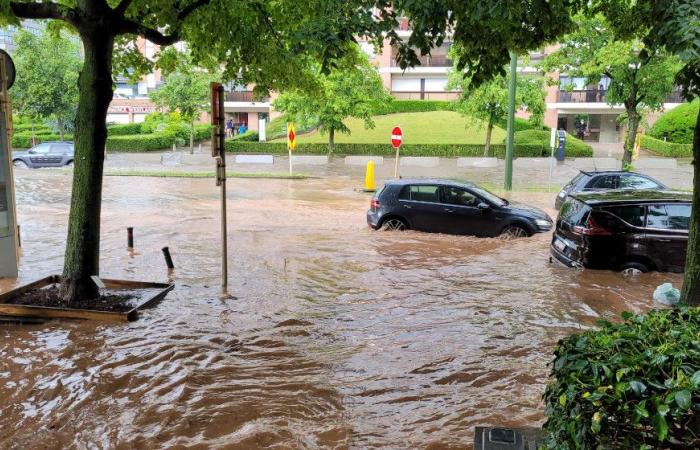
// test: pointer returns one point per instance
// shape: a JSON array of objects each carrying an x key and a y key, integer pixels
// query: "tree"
[
  {"x": 640, "y": 76},
  {"x": 488, "y": 101},
  {"x": 351, "y": 89},
  {"x": 47, "y": 74},
  {"x": 263, "y": 42},
  {"x": 186, "y": 90}
]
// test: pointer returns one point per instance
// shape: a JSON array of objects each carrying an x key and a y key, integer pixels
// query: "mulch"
[{"x": 50, "y": 297}]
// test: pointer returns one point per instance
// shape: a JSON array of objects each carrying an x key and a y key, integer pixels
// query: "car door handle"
[
  {"x": 664, "y": 240},
  {"x": 407, "y": 206},
  {"x": 449, "y": 210}
]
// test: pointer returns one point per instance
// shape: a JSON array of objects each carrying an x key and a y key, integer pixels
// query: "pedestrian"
[
  {"x": 242, "y": 129},
  {"x": 229, "y": 127}
]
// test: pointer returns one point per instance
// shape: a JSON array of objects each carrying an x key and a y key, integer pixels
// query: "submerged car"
[
  {"x": 443, "y": 206},
  {"x": 46, "y": 154},
  {"x": 638, "y": 231},
  {"x": 606, "y": 180}
]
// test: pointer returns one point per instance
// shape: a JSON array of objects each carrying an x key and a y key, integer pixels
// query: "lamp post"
[{"x": 508, "y": 179}]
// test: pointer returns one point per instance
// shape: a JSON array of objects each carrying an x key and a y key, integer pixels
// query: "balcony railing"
[
  {"x": 243, "y": 96},
  {"x": 424, "y": 95},
  {"x": 429, "y": 61},
  {"x": 675, "y": 97},
  {"x": 582, "y": 96}
]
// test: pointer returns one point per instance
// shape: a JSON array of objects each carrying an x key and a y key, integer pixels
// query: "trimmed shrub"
[
  {"x": 202, "y": 132},
  {"x": 141, "y": 142},
  {"x": 634, "y": 384},
  {"x": 443, "y": 150},
  {"x": 123, "y": 129},
  {"x": 24, "y": 140},
  {"x": 27, "y": 128},
  {"x": 407, "y": 106},
  {"x": 248, "y": 136},
  {"x": 574, "y": 147},
  {"x": 668, "y": 149},
  {"x": 677, "y": 124},
  {"x": 522, "y": 125}
]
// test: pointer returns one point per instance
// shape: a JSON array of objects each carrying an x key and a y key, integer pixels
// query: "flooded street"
[{"x": 335, "y": 336}]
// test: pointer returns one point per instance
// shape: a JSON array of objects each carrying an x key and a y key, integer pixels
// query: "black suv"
[
  {"x": 442, "y": 206},
  {"x": 605, "y": 181},
  {"x": 621, "y": 230}
]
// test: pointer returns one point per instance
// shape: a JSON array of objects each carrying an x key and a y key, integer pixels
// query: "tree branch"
[
  {"x": 47, "y": 10},
  {"x": 131, "y": 27},
  {"x": 122, "y": 7}
]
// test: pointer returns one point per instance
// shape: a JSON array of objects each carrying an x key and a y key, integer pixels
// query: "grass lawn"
[{"x": 433, "y": 127}]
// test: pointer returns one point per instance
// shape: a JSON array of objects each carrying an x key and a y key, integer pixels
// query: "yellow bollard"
[{"x": 369, "y": 177}]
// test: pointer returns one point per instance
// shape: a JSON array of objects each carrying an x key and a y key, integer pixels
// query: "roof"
[
  {"x": 631, "y": 196},
  {"x": 405, "y": 181}
]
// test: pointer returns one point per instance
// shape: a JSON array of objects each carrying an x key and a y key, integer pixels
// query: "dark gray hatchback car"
[
  {"x": 606, "y": 180},
  {"x": 46, "y": 154}
]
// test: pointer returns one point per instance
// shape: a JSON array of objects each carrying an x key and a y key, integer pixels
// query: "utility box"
[
  {"x": 561, "y": 145},
  {"x": 8, "y": 216},
  {"x": 497, "y": 438}
]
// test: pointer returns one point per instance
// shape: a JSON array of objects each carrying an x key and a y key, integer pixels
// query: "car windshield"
[{"x": 489, "y": 197}]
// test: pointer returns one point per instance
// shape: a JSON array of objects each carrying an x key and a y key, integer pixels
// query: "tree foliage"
[
  {"x": 488, "y": 101},
  {"x": 352, "y": 89},
  {"x": 46, "y": 85}
]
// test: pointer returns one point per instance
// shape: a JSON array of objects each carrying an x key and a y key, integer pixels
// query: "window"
[
  {"x": 456, "y": 196},
  {"x": 604, "y": 182},
  {"x": 405, "y": 193},
  {"x": 60, "y": 148},
  {"x": 656, "y": 217},
  {"x": 633, "y": 214},
  {"x": 574, "y": 212},
  {"x": 637, "y": 182},
  {"x": 425, "y": 194},
  {"x": 678, "y": 216},
  {"x": 41, "y": 148}
]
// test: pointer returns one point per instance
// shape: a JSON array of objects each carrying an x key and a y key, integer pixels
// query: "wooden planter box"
[{"x": 44, "y": 312}]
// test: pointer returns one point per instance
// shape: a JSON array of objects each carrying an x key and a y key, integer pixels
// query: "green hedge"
[
  {"x": 248, "y": 136},
  {"x": 677, "y": 124},
  {"x": 522, "y": 125},
  {"x": 141, "y": 142},
  {"x": 407, "y": 106},
  {"x": 668, "y": 149},
  {"x": 27, "y": 128},
  {"x": 24, "y": 140},
  {"x": 630, "y": 385},
  {"x": 574, "y": 147},
  {"x": 124, "y": 129},
  {"x": 443, "y": 150},
  {"x": 202, "y": 132}
]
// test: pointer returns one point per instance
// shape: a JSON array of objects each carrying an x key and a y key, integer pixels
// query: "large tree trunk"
[
  {"x": 331, "y": 140},
  {"x": 633, "y": 119},
  {"x": 691, "y": 281},
  {"x": 95, "y": 86},
  {"x": 489, "y": 130},
  {"x": 61, "y": 129},
  {"x": 192, "y": 138}
]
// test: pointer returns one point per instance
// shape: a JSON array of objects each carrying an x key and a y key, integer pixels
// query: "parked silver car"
[{"x": 46, "y": 154}]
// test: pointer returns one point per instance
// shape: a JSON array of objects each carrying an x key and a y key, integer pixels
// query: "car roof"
[
  {"x": 611, "y": 172},
  {"x": 407, "y": 181},
  {"x": 55, "y": 142},
  {"x": 631, "y": 196}
]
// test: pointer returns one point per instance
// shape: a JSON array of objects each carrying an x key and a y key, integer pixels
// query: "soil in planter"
[{"x": 50, "y": 296}]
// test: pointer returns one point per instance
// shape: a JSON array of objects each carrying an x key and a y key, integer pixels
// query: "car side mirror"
[
  {"x": 31, "y": 152},
  {"x": 483, "y": 206}
]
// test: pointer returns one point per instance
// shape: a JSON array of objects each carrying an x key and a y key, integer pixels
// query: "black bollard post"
[
  {"x": 168, "y": 259},
  {"x": 130, "y": 237},
  {"x": 19, "y": 237}
]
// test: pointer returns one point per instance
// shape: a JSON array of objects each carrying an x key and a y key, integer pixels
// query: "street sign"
[
  {"x": 291, "y": 137},
  {"x": 396, "y": 137}
]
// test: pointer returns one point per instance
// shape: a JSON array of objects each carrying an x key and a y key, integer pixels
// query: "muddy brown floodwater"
[{"x": 339, "y": 337}]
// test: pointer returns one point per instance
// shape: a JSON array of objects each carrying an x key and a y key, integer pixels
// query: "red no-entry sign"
[{"x": 396, "y": 137}]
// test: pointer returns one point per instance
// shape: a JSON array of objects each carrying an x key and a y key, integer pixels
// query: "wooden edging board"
[{"x": 70, "y": 313}]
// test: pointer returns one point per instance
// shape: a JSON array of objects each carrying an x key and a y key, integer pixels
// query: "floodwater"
[{"x": 333, "y": 336}]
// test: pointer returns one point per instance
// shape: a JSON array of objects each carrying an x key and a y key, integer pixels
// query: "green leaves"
[{"x": 683, "y": 399}]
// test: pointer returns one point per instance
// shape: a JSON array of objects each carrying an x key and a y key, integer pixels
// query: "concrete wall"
[{"x": 608, "y": 131}]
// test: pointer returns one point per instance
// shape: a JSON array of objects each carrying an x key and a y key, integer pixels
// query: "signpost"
[
  {"x": 552, "y": 142},
  {"x": 396, "y": 140},
  {"x": 218, "y": 150},
  {"x": 8, "y": 215},
  {"x": 291, "y": 142}
]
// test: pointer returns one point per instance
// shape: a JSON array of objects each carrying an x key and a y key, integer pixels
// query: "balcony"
[
  {"x": 243, "y": 96},
  {"x": 429, "y": 61},
  {"x": 582, "y": 96},
  {"x": 424, "y": 95}
]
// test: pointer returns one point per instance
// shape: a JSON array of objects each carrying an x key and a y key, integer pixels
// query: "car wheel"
[
  {"x": 69, "y": 164},
  {"x": 633, "y": 268},
  {"x": 394, "y": 224},
  {"x": 513, "y": 232},
  {"x": 18, "y": 163}
]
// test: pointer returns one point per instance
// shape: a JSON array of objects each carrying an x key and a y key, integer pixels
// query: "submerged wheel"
[
  {"x": 633, "y": 268},
  {"x": 18, "y": 163},
  {"x": 69, "y": 164},
  {"x": 513, "y": 232},
  {"x": 394, "y": 224}
]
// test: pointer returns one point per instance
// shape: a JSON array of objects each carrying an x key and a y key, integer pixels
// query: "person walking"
[{"x": 229, "y": 127}]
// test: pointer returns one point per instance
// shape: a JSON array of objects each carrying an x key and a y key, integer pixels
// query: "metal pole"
[
  {"x": 508, "y": 179},
  {"x": 396, "y": 164},
  {"x": 222, "y": 155},
  {"x": 289, "y": 151}
]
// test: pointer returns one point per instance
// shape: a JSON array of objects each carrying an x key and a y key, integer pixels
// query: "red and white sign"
[{"x": 396, "y": 137}]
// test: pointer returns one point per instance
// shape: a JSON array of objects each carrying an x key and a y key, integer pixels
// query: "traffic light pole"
[{"x": 508, "y": 178}]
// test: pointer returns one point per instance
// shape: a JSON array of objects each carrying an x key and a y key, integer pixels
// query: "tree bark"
[
  {"x": 331, "y": 140},
  {"x": 489, "y": 130},
  {"x": 633, "y": 119},
  {"x": 192, "y": 138},
  {"x": 691, "y": 280},
  {"x": 95, "y": 86},
  {"x": 61, "y": 129}
]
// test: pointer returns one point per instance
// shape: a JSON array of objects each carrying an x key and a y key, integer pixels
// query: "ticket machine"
[{"x": 8, "y": 214}]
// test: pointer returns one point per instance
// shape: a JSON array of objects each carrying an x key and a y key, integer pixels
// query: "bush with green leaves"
[
  {"x": 123, "y": 129},
  {"x": 574, "y": 147},
  {"x": 408, "y": 106},
  {"x": 677, "y": 125},
  {"x": 522, "y": 125},
  {"x": 629, "y": 385},
  {"x": 141, "y": 142},
  {"x": 24, "y": 140},
  {"x": 668, "y": 149}
]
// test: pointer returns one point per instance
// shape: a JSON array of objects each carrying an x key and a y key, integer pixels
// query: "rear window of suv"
[
  {"x": 632, "y": 214},
  {"x": 574, "y": 212}
]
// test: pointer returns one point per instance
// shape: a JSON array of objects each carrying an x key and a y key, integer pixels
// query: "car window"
[
  {"x": 574, "y": 212},
  {"x": 425, "y": 193},
  {"x": 41, "y": 148},
  {"x": 456, "y": 196},
  {"x": 405, "y": 193},
  {"x": 678, "y": 216},
  {"x": 604, "y": 182},
  {"x": 637, "y": 182},
  {"x": 60, "y": 148},
  {"x": 632, "y": 214},
  {"x": 656, "y": 217},
  {"x": 574, "y": 181}
]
